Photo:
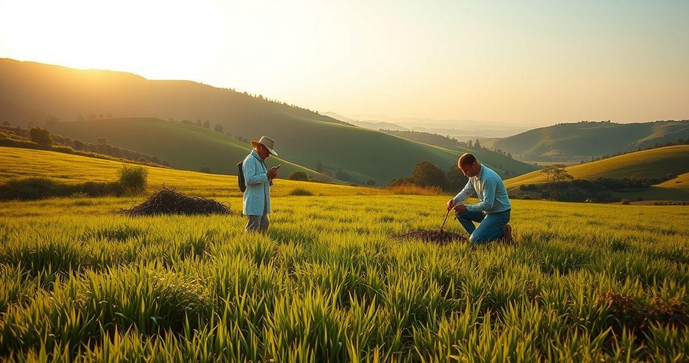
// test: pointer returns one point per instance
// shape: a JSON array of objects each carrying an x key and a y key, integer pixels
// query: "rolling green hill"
[
  {"x": 653, "y": 163},
  {"x": 188, "y": 147},
  {"x": 185, "y": 146},
  {"x": 494, "y": 159},
  {"x": 303, "y": 137},
  {"x": 583, "y": 140}
]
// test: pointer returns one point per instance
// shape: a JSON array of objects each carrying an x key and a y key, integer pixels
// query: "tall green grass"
[{"x": 327, "y": 283}]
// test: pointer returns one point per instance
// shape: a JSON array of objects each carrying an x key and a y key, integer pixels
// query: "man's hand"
[
  {"x": 450, "y": 203},
  {"x": 272, "y": 173},
  {"x": 459, "y": 208}
]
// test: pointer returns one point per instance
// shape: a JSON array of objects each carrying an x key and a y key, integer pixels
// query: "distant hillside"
[
  {"x": 373, "y": 125},
  {"x": 19, "y": 115},
  {"x": 653, "y": 163},
  {"x": 487, "y": 156},
  {"x": 184, "y": 146},
  {"x": 302, "y": 137},
  {"x": 677, "y": 189},
  {"x": 189, "y": 147},
  {"x": 583, "y": 140},
  {"x": 426, "y": 138},
  {"x": 338, "y": 117},
  {"x": 67, "y": 93}
]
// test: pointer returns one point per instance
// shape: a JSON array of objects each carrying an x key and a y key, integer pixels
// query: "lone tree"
[
  {"x": 456, "y": 180},
  {"x": 555, "y": 174},
  {"x": 40, "y": 136},
  {"x": 102, "y": 142},
  {"x": 426, "y": 174}
]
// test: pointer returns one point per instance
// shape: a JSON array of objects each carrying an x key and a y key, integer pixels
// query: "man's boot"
[{"x": 507, "y": 234}]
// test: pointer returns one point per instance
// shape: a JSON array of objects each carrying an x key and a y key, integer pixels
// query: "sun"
[{"x": 154, "y": 38}]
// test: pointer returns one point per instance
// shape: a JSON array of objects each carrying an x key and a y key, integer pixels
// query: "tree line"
[{"x": 44, "y": 139}]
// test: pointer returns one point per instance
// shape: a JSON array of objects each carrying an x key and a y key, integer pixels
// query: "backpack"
[{"x": 240, "y": 177}]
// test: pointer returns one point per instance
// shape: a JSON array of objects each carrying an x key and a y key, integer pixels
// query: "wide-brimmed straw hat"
[{"x": 267, "y": 142}]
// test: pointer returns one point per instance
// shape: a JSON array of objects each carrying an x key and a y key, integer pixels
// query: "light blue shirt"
[
  {"x": 257, "y": 193},
  {"x": 489, "y": 189}
]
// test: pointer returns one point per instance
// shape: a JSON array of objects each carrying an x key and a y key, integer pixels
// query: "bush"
[
  {"x": 298, "y": 175},
  {"x": 624, "y": 201},
  {"x": 133, "y": 178},
  {"x": 78, "y": 195},
  {"x": 40, "y": 136},
  {"x": 300, "y": 192}
]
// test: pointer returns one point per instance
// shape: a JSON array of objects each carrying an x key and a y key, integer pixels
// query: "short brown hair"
[{"x": 467, "y": 159}]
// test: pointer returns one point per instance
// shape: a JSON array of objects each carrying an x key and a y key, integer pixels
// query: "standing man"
[
  {"x": 493, "y": 210},
  {"x": 258, "y": 179}
]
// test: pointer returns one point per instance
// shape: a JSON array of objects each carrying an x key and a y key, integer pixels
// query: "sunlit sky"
[{"x": 529, "y": 62}]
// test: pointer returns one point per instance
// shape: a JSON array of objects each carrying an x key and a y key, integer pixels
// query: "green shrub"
[
  {"x": 300, "y": 192},
  {"x": 78, "y": 195},
  {"x": 40, "y": 136},
  {"x": 133, "y": 178}
]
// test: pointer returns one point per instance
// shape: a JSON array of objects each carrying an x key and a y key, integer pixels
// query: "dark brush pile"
[
  {"x": 168, "y": 201},
  {"x": 440, "y": 237}
]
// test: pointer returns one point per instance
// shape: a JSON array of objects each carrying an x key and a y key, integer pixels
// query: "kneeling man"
[{"x": 493, "y": 210}]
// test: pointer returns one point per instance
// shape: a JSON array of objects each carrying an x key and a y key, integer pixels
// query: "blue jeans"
[{"x": 490, "y": 227}]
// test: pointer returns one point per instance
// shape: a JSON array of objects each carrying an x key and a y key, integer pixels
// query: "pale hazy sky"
[{"x": 535, "y": 62}]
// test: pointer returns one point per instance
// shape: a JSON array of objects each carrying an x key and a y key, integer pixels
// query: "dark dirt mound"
[
  {"x": 440, "y": 237},
  {"x": 168, "y": 201}
]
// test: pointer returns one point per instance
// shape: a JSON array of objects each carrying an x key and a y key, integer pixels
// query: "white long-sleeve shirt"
[{"x": 489, "y": 189}]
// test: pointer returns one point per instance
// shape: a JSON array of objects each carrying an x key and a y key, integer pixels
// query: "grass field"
[
  {"x": 81, "y": 282},
  {"x": 584, "y": 283}
]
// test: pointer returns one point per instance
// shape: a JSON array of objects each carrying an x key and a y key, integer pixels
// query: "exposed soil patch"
[
  {"x": 168, "y": 201},
  {"x": 439, "y": 237}
]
